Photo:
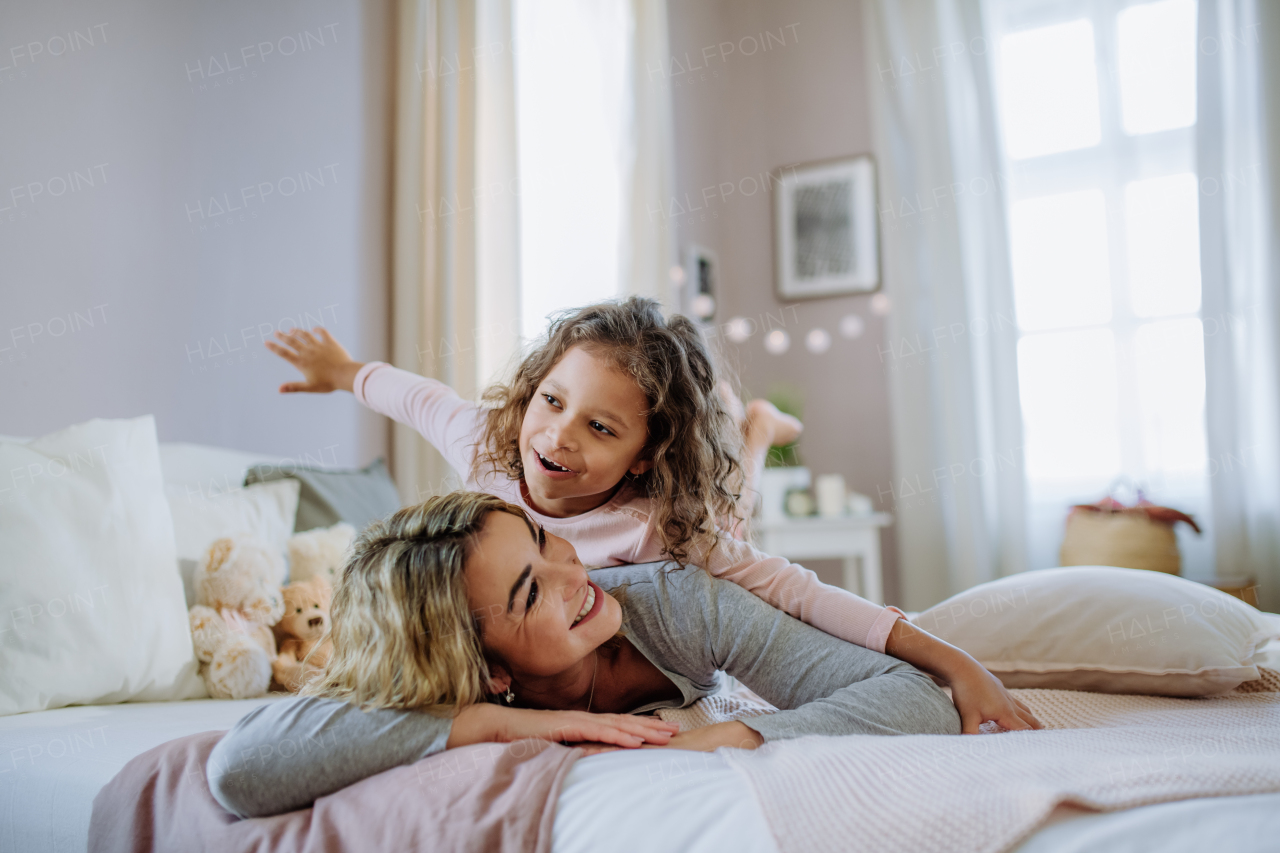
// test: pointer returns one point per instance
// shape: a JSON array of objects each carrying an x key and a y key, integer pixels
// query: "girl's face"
[
  {"x": 540, "y": 614},
  {"x": 583, "y": 431}
]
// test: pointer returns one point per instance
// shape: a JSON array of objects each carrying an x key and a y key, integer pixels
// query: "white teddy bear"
[
  {"x": 320, "y": 551},
  {"x": 238, "y": 599}
]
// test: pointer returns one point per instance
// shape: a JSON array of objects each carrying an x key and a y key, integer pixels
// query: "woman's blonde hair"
[
  {"x": 403, "y": 633},
  {"x": 694, "y": 443}
]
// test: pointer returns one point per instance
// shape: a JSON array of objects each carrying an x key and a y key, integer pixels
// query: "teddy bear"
[
  {"x": 319, "y": 552},
  {"x": 303, "y": 627},
  {"x": 238, "y": 600}
]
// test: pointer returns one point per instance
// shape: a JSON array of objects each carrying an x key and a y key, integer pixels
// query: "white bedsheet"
[
  {"x": 652, "y": 801},
  {"x": 53, "y": 763}
]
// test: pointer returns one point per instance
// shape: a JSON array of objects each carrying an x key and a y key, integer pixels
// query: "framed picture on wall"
[{"x": 826, "y": 239}]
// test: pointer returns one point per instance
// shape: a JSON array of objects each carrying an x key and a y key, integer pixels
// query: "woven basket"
[
  {"x": 1128, "y": 539},
  {"x": 1108, "y": 533}
]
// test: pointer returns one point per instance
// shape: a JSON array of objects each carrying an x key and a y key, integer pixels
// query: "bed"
[{"x": 53, "y": 763}]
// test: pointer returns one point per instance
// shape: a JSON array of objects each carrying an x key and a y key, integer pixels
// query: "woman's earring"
[{"x": 509, "y": 697}]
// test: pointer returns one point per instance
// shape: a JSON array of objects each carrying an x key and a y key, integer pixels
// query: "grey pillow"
[{"x": 329, "y": 496}]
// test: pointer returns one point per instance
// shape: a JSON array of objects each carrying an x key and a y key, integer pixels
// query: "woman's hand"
[
  {"x": 979, "y": 696},
  {"x": 493, "y": 723},
  {"x": 710, "y": 738},
  {"x": 323, "y": 361}
]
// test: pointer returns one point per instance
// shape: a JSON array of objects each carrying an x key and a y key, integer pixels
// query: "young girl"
[{"x": 614, "y": 436}]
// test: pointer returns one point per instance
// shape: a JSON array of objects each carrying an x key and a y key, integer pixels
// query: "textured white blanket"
[{"x": 985, "y": 793}]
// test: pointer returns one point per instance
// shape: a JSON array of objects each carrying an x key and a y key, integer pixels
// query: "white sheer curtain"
[
  {"x": 455, "y": 286},
  {"x": 572, "y": 72},
  {"x": 595, "y": 153},
  {"x": 1237, "y": 146},
  {"x": 494, "y": 184},
  {"x": 950, "y": 350},
  {"x": 648, "y": 241}
]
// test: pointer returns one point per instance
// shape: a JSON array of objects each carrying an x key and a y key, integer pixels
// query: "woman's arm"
[
  {"x": 977, "y": 693},
  {"x": 823, "y": 685},
  {"x": 284, "y": 755}
]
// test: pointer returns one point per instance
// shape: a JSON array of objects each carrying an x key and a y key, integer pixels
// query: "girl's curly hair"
[{"x": 694, "y": 443}]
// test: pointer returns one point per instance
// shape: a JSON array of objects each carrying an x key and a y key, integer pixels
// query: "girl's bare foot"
[
  {"x": 732, "y": 403},
  {"x": 767, "y": 426}
]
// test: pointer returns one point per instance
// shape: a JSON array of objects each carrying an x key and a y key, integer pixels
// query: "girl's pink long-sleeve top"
[{"x": 620, "y": 531}]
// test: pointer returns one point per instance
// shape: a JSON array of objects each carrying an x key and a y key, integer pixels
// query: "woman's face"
[{"x": 529, "y": 591}]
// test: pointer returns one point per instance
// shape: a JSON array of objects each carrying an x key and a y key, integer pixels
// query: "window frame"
[{"x": 1117, "y": 160}]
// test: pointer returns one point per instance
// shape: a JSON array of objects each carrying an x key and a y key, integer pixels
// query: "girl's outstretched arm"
[
  {"x": 796, "y": 591},
  {"x": 326, "y": 366},
  {"x": 427, "y": 405}
]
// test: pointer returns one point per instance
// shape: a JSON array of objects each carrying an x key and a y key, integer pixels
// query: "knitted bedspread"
[{"x": 985, "y": 793}]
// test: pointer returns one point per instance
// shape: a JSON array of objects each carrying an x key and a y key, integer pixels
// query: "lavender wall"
[
  {"x": 757, "y": 86},
  {"x": 177, "y": 179}
]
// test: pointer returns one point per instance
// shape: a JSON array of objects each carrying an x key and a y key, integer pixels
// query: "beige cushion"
[{"x": 1106, "y": 630}]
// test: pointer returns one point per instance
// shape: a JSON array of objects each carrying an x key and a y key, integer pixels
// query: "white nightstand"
[{"x": 855, "y": 539}]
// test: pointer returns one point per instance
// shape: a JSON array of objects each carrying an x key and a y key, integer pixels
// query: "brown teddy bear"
[
  {"x": 302, "y": 631},
  {"x": 238, "y": 599}
]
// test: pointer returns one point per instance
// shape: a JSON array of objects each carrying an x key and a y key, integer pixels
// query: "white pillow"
[
  {"x": 207, "y": 468},
  {"x": 1106, "y": 630},
  {"x": 91, "y": 609},
  {"x": 202, "y": 515}
]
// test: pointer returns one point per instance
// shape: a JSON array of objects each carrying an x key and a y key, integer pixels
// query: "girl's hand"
[
  {"x": 494, "y": 723},
  {"x": 979, "y": 696},
  {"x": 324, "y": 363}
]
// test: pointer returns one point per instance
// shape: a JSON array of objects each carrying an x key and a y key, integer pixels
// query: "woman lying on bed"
[{"x": 463, "y": 608}]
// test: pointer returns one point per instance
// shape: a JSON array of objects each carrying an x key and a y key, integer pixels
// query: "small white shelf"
[{"x": 854, "y": 539}]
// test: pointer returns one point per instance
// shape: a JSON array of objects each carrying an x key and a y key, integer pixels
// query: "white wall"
[{"x": 124, "y": 287}]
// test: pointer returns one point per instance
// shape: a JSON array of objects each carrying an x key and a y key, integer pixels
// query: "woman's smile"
[{"x": 590, "y": 604}]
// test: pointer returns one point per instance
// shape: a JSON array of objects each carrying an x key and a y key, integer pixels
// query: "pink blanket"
[
  {"x": 487, "y": 797},
  {"x": 985, "y": 793}
]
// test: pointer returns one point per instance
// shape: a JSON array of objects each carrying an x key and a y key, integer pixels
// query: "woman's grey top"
[{"x": 285, "y": 754}]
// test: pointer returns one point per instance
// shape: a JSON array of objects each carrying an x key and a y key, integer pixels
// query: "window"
[
  {"x": 1097, "y": 115},
  {"x": 572, "y": 69}
]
